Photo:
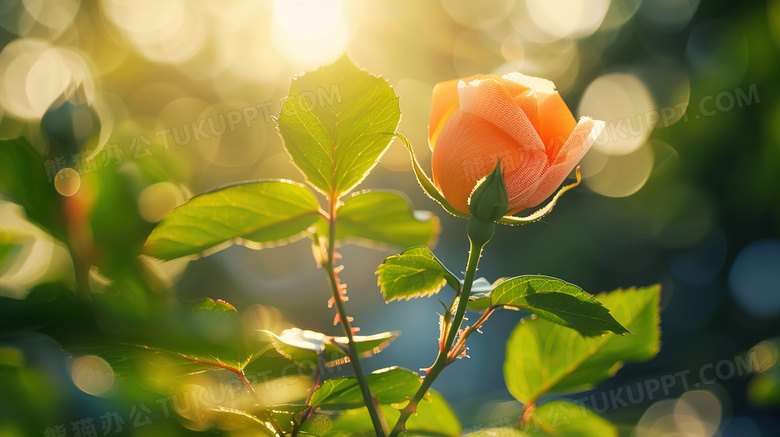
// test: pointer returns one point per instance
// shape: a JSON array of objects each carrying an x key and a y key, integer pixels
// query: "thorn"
[
  {"x": 410, "y": 409},
  {"x": 337, "y": 319}
]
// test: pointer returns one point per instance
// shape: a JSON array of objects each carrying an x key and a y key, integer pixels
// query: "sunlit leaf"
[
  {"x": 544, "y": 357},
  {"x": 415, "y": 272},
  {"x": 256, "y": 214},
  {"x": 303, "y": 347},
  {"x": 558, "y": 302},
  {"x": 378, "y": 219},
  {"x": 390, "y": 386},
  {"x": 232, "y": 418},
  {"x": 434, "y": 418},
  {"x": 206, "y": 335},
  {"x": 336, "y": 123},
  {"x": 557, "y": 418}
]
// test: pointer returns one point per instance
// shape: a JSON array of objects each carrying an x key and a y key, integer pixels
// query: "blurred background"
[{"x": 681, "y": 189}]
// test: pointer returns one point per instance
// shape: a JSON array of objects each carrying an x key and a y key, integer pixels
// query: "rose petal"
[
  {"x": 468, "y": 149},
  {"x": 580, "y": 141},
  {"x": 489, "y": 100},
  {"x": 445, "y": 101},
  {"x": 523, "y": 93},
  {"x": 556, "y": 123}
]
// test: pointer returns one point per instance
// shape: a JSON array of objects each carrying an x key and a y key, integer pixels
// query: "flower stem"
[
  {"x": 379, "y": 426},
  {"x": 480, "y": 232}
]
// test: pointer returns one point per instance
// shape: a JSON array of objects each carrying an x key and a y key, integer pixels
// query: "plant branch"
[
  {"x": 477, "y": 241},
  {"x": 380, "y": 426},
  {"x": 305, "y": 414},
  {"x": 472, "y": 329}
]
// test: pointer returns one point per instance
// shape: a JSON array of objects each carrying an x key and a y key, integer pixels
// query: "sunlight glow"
[{"x": 309, "y": 32}]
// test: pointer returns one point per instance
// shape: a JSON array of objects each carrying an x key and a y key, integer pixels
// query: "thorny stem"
[
  {"x": 328, "y": 264},
  {"x": 477, "y": 241},
  {"x": 472, "y": 329}
]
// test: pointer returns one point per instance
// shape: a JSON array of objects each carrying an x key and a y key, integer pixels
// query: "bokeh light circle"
[
  {"x": 67, "y": 182},
  {"x": 566, "y": 18},
  {"x": 619, "y": 13},
  {"x": 697, "y": 413},
  {"x": 181, "y": 118},
  {"x": 668, "y": 15},
  {"x": 54, "y": 14},
  {"x": 478, "y": 15},
  {"x": 157, "y": 200},
  {"x": 755, "y": 278},
  {"x": 624, "y": 103},
  {"x": 622, "y": 175},
  {"x": 93, "y": 375},
  {"x": 33, "y": 75},
  {"x": 236, "y": 34},
  {"x": 169, "y": 31}
]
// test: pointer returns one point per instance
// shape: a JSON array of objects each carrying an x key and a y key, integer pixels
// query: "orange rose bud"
[{"x": 520, "y": 120}]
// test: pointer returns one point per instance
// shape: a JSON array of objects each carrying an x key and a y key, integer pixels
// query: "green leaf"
[
  {"x": 434, "y": 418},
  {"x": 390, "y": 386},
  {"x": 232, "y": 418},
  {"x": 303, "y": 347},
  {"x": 479, "y": 300},
  {"x": 415, "y": 272},
  {"x": 203, "y": 335},
  {"x": 257, "y": 214},
  {"x": 558, "y": 302},
  {"x": 544, "y": 357},
  {"x": 217, "y": 306},
  {"x": 557, "y": 418},
  {"x": 336, "y": 123},
  {"x": 379, "y": 219}
]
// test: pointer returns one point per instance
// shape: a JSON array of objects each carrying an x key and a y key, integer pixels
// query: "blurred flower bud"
[{"x": 70, "y": 122}]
